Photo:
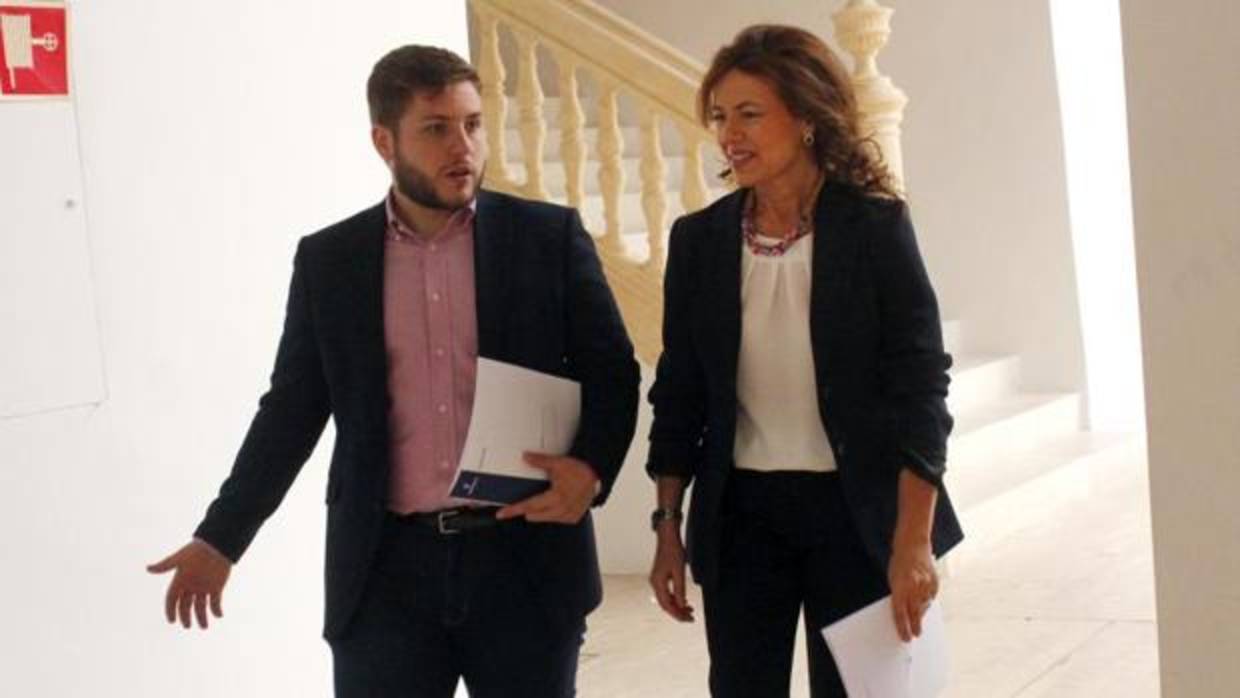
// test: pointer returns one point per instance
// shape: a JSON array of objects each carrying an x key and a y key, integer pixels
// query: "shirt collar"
[{"x": 460, "y": 219}]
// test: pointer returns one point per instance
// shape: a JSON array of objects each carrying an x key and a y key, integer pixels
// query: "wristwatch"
[{"x": 660, "y": 515}]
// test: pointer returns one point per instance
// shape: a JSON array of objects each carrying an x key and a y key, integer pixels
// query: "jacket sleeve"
[
  {"x": 679, "y": 392},
  {"x": 912, "y": 364},
  {"x": 290, "y": 419},
  {"x": 601, "y": 355}
]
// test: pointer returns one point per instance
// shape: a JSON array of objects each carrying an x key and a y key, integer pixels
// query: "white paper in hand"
[
  {"x": 515, "y": 410},
  {"x": 875, "y": 663}
]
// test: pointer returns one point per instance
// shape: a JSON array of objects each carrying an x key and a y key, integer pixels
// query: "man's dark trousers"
[{"x": 439, "y": 607}]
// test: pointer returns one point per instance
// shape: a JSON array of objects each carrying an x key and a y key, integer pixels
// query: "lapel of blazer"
[
  {"x": 726, "y": 228},
  {"x": 493, "y": 238},
  {"x": 368, "y": 279},
  {"x": 836, "y": 245}
]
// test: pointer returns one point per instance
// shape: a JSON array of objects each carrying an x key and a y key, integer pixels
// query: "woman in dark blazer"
[{"x": 802, "y": 382}]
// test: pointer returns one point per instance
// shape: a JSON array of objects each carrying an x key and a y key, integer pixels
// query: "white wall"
[
  {"x": 213, "y": 135},
  {"x": 983, "y": 157},
  {"x": 46, "y": 290},
  {"x": 1183, "y": 107}
]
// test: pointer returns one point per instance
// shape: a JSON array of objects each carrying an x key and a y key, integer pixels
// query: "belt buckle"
[{"x": 443, "y": 517}]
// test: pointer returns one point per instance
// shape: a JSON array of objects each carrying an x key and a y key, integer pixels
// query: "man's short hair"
[{"x": 408, "y": 71}]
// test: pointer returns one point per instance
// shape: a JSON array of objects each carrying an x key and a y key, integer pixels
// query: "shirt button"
[
  {"x": 443, "y": 409},
  {"x": 439, "y": 352},
  {"x": 444, "y": 464},
  {"x": 435, "y": 296},
  {"x": 434, "y": 247}
]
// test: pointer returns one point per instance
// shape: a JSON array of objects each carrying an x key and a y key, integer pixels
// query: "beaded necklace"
[{"x": 749, "y": 228}]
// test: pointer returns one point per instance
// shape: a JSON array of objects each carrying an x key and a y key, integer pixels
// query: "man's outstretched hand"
[{"x": 199, "y": 575}]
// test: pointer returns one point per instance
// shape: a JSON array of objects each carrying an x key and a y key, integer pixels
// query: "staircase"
[
  {"x": 1004, "y": 435},
  {"x": 632, "y": 158},
  {"x": 634, "y": 237}
]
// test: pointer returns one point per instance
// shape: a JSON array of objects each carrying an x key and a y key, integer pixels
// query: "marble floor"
[{"x": 1051, "y": 595}]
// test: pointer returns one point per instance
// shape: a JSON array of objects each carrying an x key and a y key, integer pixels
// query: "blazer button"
[{"x": 839, "y": 450}]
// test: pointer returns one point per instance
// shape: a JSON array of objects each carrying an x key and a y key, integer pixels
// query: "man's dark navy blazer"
[
  {"x": 880, "y": 369},
  {"x": 542, "y": 303}
]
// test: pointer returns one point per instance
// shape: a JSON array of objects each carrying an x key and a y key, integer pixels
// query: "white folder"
[{"x": 515, "y": 410}]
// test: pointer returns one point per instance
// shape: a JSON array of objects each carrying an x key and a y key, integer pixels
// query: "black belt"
[{"x": 456, "y": 520}]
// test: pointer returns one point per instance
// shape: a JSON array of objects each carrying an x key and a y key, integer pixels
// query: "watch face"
[{"x": 658, "y": 516}]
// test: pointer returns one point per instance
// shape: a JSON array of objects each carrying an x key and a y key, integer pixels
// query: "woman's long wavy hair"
[{"x": 814, "y": 85}]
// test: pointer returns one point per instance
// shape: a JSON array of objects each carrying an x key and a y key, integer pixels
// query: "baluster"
[
  {"x": 532, "y": 125},
  {"x": 494, "y": 103},
  {"x": 572, "y": 131},
  {"x": 863, "y": 28},
  {"x": 693, "y": 183},
  {"x": 654, "y": 184},
  {"x": 611, "y": 167}
]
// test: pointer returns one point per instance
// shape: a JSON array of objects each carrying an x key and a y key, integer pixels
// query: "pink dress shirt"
[{"x": 430, "y": 330}]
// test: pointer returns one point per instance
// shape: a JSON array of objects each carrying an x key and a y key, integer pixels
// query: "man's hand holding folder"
[
  {"x": 522, "y": 427},
  {"x": 573, "y": 487}
]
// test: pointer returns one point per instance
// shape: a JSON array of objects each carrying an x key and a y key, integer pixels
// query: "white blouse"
[{"x": 778, "y": 426}]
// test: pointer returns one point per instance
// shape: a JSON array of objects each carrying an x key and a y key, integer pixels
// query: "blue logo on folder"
[{"x": 496, "y": 489}]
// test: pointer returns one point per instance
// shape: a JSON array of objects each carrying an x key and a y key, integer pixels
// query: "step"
[
  {"x": 979, "y": 380},
  {"x": 972, "y": 484},
  {"x": 1066, "y": 476},
  {"x": 1013, "y": 424}
]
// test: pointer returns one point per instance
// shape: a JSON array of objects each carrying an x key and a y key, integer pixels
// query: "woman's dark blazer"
[{"x": 879, "y": 364}]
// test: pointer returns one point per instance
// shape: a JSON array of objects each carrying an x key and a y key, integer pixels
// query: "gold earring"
[{"x": 807, "y": 138}]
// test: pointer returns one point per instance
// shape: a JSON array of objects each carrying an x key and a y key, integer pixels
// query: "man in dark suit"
[{"x": 387, "y": 315}]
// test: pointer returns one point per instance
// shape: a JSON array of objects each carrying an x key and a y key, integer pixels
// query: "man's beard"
[{"x": 420, "y": 188}]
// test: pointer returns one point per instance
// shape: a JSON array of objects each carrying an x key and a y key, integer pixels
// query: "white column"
[
  {"x": 862, "y": 28},
  {"x": 1183, "y": 92}
]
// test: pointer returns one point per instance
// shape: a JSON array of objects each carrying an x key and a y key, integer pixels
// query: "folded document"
[
  {"x": 875, "y": 663},
  {"x": 515, "y": 410}
]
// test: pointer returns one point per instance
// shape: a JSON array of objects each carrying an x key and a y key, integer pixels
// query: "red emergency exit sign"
[{"x": 34, "y": 50}]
